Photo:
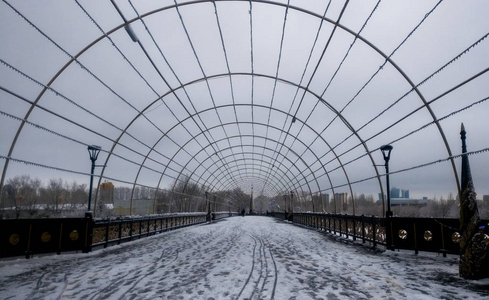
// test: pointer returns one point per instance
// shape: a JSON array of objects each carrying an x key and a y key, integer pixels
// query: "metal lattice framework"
[{"x": 276, "y": 95}]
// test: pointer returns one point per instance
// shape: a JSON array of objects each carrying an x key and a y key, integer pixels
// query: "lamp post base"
[{"x": 89, "y": 214}]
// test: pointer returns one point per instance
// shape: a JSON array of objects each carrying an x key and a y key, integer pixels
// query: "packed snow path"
[{"x": 237, "y": 258}]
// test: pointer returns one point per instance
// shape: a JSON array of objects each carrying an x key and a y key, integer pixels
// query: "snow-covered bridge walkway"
[{"x": 237, "y": 258}]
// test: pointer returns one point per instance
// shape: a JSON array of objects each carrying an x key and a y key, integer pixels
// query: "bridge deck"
[{"x": 237, "y": 258}]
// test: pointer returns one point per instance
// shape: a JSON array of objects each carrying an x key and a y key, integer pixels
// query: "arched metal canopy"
[{"x": 278, "y": 95}]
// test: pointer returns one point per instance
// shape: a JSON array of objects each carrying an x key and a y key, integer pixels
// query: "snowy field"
[{"x": 238, "y": 258}]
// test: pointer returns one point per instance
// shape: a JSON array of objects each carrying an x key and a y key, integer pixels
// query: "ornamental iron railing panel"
[
  {"x": 418, "y": 234},
  {"x": 36, "y": 236},
  {"x": 27, "y": 237}
]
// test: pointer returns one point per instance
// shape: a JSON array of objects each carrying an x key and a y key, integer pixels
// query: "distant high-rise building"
[
  {"x": 324, "y": 200},
  {"x": 325, "y": 197},
  {"x": 395, "y": 192},
  {"x": 404, "y": 193},
  {"x": 485, "y": 198},
  {"x": 341, "y": 201},
  {"x": 107, "y": 192}
]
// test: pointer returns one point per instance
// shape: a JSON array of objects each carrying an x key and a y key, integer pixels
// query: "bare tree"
[
  {"x": 162, "y": 201},
  {"x": 408, "y": 211},
  {"x": 55, "y": 195},
  {"x": 23, "y": 193},
  {"x": 239, "y": 199},
  {"x": 186, "y": 196},
  {"x": 365, "y": 205},
  {"x": 79, "y": 193}
]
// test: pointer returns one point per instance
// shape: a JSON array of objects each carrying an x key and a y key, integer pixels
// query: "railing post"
[
  {"x": 354, "y": 228},
  {"x": 363, "y": 229},
  {"x": 415, "y": 239},
  {"x": 140, "y": 228},
  {"x": 374, "y": 232},
  {"x": 88, "y": 235},
  {"x": 340, "y": 225},
  {"x": 334, "y": 225},
  {"x": 107, "y": 226},
  {"x": 120, "y": 233},
  {"x": 147, "y": 224},
  {"x": 443, "y": 241}
]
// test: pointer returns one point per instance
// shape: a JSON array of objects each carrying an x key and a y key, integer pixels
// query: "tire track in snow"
[
  {"x": 252, "y": 267},
  {"x": 60, "y": 296},
  {"x": 263, "y": 262},
  {"x": 274, "y": 269},
  {"x": 260, "y": 271},
  {"x": 39, "y": 283},
  {"x": 259, "y": 281}
]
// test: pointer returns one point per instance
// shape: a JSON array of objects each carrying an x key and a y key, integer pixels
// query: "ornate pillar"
[{"x": 474, "y": 248}]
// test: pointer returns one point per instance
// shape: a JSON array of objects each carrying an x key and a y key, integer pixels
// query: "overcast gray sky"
[{"x": 210, "y": 91}]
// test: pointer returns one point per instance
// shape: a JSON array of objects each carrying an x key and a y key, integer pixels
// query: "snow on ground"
[{"x": 238, "y": 258}]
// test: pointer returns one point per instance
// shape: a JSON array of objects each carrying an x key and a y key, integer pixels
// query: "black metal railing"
[
  {"x": 26, "y": 237},
  {"x": 109, "y": 232},
  {"x": 368, "y": 229},
  {"x": 418, "y": 234}
]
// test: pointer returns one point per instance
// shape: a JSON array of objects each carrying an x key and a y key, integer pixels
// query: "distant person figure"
[{"x": 243, "y": 212}]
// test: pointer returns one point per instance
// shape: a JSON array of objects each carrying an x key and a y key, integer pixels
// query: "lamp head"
[
  {"x": 93, "y": 151},
  {"x": 291, "y": 194},
  {"x": 386, "y": 152}
]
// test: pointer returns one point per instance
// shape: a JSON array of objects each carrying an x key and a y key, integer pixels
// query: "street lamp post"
[
  {"x": 386, "y": 153},
  {"x": 93, "y": 151}
]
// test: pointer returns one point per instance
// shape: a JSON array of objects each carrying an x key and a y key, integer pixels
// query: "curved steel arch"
[
  {"x": 307, "y": 147},
  {"x": 227, "y": 183},
  {"x": 387, "y": 58},
  {"x": 270, "y": 189},
  {"x": 237, "y": 136},
  {"x": 426, "y": 105},
  {"x": 74, "y": 58},
  {"x": 236, "y": 146},
  {"x": 213, "y": 108},
  {"x": 215, "y": 178},
  {"x": 211, "y": 184},
  {"x": 279, "y": 129}
]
